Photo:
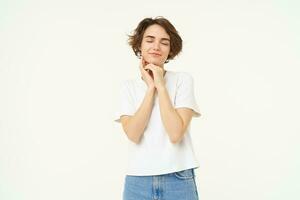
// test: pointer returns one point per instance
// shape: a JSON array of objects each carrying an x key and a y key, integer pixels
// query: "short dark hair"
[{"x": 135, "y": 40}]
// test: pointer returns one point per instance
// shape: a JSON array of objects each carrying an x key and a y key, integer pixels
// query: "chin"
[{"x": 155, "y": 61}]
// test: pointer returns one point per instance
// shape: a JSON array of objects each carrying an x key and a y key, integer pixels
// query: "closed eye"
[{"x": 161, "y": 43}]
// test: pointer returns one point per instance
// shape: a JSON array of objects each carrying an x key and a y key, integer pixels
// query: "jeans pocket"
[{"x": 185, "y": 174}]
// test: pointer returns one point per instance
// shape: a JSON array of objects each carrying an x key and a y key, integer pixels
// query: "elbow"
[
  {"x": 177, "y": 136},
  {"x": 176, "y": 139},
  {"x": 133, "y": 138}
]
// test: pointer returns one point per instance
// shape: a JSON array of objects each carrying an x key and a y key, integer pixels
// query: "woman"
[{"x": 155, "y": 111}]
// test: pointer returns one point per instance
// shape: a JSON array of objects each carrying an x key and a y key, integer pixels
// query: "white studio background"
[{"x": 61, "y": 63}]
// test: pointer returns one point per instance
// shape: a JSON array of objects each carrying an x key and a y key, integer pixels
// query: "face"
[{"x": 155, "y": 45}]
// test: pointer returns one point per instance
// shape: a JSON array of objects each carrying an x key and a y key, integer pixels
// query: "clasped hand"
[{"x": 152, "y": 74}]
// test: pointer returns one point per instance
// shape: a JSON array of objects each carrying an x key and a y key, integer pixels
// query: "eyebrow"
[{"x": 152, "y": 37}]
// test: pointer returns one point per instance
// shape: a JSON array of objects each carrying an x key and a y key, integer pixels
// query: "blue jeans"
[{"x": 179, "y": 185}]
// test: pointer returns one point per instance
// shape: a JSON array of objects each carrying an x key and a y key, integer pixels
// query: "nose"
[{"x": 156, "y": 45}]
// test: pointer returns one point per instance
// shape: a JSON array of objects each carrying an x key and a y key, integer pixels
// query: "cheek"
[
  {"x": 167, "y": 51},
  {"x": 166, "y": 48},
  {"x": 144, "y": 48},
  {"x": 145, "y": 45}
]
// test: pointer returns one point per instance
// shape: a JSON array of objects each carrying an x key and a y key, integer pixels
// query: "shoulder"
[
  {"x": 181, "y": 74},
  {"x": 184, "y": 77}
]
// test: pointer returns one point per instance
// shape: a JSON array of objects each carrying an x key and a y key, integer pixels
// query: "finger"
[
  {"x": 142, "y": 63},
  {"x": 145, "y": 62},
  {"x": 144, "y": 70},
  {"x": 151, "y": 67},
  {"x": 143, "y": 67},
  {"x": 148, "y": 68}
]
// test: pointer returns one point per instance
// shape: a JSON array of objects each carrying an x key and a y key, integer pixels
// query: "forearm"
[
  {"x": 138, "y": 122},
  {"x": 171, "y": 120}
]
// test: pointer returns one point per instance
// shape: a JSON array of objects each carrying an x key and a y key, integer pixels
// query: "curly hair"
[{"x": 135, "y": 40}]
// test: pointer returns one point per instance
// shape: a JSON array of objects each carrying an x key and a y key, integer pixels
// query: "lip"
[{"x": 155, "y": 54}]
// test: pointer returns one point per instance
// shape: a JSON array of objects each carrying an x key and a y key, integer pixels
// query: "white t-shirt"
[{"x": 155, "y": 154}]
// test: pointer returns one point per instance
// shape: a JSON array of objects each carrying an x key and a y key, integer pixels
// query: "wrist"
[
  {"x": 151, "y": 89},
  {"x": 161, "y": 88}
]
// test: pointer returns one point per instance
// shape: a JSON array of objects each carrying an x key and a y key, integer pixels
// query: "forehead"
[{"x": 156, "y": 31}]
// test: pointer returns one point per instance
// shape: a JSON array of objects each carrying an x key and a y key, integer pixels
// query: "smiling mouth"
[{"x": 154, "y": 54}]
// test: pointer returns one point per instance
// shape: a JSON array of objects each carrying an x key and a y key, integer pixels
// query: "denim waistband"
[{"x": 183, "y": 172}]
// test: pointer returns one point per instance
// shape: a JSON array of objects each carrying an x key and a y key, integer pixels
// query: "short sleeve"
[
  {"x": 126, "y": 103},
  {"x": 185, "y": 94}
]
